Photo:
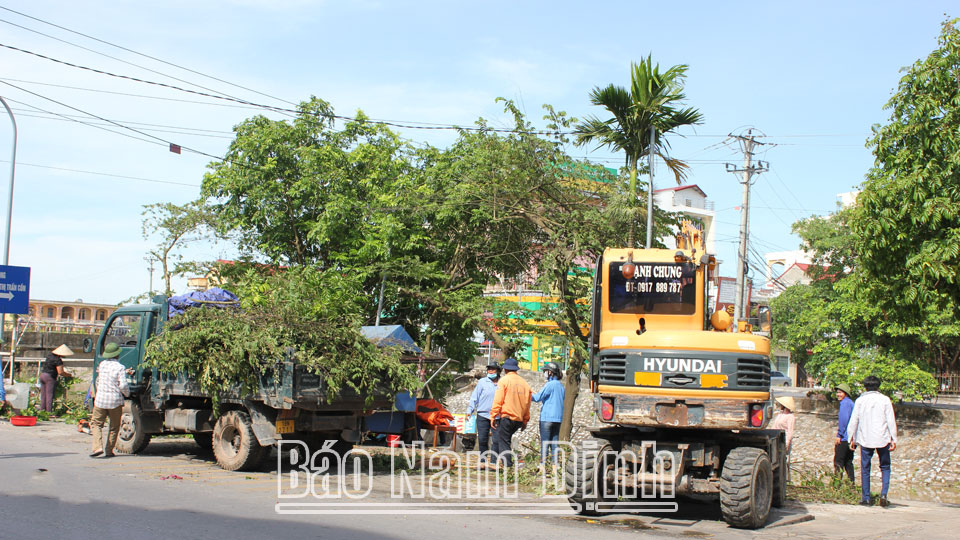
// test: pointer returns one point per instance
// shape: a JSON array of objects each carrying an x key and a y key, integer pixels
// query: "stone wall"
[{"x": 926, "y": 463}]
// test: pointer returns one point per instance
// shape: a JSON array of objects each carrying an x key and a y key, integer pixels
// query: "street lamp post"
[{"x": 6, "y": 242}]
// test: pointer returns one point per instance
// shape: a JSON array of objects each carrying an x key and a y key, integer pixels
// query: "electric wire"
[
  {"x": 159, "y": 139},
  {"x": 146, "y": 55}
]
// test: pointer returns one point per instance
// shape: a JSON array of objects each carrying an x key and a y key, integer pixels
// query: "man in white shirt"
[
  {"x": 111, "y": 387},
  {"x": 873, "y": 426}
]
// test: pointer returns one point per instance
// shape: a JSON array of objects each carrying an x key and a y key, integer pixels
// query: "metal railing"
[{"x": 948, "y": 384}]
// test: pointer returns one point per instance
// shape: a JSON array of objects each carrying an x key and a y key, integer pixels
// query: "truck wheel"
[
  {"x": 746, "y": 488},
  {"x": 234, "y": 444},
  {"x": 780, "y": 483},
  {"x": 131, "y": 439},
  {"x": 204, "y": 440},
  {"x": 585, "y": 478}
]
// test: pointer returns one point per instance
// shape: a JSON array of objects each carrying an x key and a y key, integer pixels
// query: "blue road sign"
[{"x": 14, "y": 289}]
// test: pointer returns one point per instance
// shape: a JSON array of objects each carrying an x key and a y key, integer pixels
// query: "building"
[
  {"x": 59, "y": 315},
  {"x": 692, "y": 202}
]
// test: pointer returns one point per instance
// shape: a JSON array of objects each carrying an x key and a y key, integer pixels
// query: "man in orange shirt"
[{"x": 511, "y": 409}]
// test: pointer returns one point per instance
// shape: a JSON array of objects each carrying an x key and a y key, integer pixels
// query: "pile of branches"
[{"x": 294, "y": 315}]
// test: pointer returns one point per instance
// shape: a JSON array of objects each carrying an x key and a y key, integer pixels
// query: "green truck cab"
[{"x": 290, "y": 403}]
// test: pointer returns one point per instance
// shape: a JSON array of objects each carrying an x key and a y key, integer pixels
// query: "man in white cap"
[{"x": 51, "y": 370}]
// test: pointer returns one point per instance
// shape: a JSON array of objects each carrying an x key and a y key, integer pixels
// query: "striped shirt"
[{"x": 111, "y": 385}]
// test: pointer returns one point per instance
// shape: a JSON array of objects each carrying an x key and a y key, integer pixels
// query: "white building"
[{"x": 692, "y": 201}]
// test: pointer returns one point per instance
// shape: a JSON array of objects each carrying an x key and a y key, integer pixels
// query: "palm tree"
[{"x": 652, "y": 105}]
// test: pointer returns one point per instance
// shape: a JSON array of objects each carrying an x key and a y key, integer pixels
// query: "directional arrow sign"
[{"x": 14, "y": 289}]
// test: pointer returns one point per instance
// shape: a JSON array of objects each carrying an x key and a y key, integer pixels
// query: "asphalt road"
[{"x": 50, "y": 488}]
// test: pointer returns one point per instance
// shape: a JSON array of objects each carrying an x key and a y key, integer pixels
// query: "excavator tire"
[
  {"x": 746, "y": 488},
  {"x": 584, "y": 480}
]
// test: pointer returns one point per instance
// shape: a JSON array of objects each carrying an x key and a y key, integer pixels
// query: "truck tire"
[
  {"x": 746, "y": 488},
  {"x": 582, "y": 472},
  {"x": 234, "y": 444},
  {"x": 132, "y": 438},
  {"x": 780, "y": 483},
  {"x": 204, "y": 440}
]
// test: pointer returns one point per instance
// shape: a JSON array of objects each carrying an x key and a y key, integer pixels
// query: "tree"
[
  {"x": 652, "y": 101},
  {"x": 834, "y": 327},
  {"x": 176, "y": 225},
  {"x": 907, "y": 218}
]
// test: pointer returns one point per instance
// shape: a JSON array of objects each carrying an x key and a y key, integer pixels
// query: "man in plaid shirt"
[{"x": 110, "y": 388}]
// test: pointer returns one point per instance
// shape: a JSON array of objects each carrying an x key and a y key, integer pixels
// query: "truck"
[
  {"x": 290, "y": 403},
  {"x": 681, "y": 399}
]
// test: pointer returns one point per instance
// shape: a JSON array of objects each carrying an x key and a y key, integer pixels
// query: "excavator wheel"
[
  {"x": 746, "y": 488},
  {"x": 585, "y": 477}
]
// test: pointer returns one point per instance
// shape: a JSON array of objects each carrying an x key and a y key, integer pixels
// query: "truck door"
[{"x": 130, "y": 331}]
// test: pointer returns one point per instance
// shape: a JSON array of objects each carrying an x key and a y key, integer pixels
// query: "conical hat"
[
  {"x": 63, "y": 350},
  {"x": 787, "y": 402}
]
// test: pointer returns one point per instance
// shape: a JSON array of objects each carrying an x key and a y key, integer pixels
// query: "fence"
[{"x": 948, "y": 384}]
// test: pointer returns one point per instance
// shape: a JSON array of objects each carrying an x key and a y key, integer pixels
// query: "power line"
[
  {"x": 145, "y": 55},
  {"x": 137, "y": 178},
  {"x": 170, "y": 144},
  {"x": 157, "y": 128},
  {"x": 144, "y": 96}
]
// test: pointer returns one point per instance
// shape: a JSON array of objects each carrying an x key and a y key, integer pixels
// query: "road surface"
[{"x": 51, "y": 488}]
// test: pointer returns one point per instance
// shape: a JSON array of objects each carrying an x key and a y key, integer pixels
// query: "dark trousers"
[
  {"x": 843, "y": 460},
  {"x": 48, "y": 383},
  {"x": 549, "y": 436},
  {"x": 504, "y": 437},
  {"x": 483, "y": 436},
  {"x": 866, "y": 455}
]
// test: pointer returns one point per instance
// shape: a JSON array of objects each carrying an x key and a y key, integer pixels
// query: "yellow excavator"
[{"x": 682, "y": 399}]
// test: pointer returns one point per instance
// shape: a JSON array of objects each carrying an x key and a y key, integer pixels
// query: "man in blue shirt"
[
  {"x": 551, "y": 413},
  {"x": 842, "y": 455},
  {"x": 480, "y": 403}
]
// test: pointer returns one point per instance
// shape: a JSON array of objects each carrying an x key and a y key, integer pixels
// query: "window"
[
  {"x": 688, "y": 202},
  {"x": 101, "y": 315},
  {"x": 66, "y": 313},
  {"x": 49, "y": 312},
  {"x": 124, "y": 331},
  {"x": 83, "y": 314},
  {"x": 663, "y": 288}
]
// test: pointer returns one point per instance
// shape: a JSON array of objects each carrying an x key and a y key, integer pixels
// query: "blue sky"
[{"x": 813, "y": 76}]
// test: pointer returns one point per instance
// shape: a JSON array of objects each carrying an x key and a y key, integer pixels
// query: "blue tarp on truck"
[{"x": 390, "y": 336}]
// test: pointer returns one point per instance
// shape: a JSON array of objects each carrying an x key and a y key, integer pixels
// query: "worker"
[
  {"x": 873, "y": 426},
  {"x": 480, "y": 403},
  {"x": 785, "y": 419},
  {"x": 111, "y": 388},
  {"x": 51, "y": 371},
  {"x": 842, "y": 454},
  {"x": 511, "y": 409},
  {"x": 551, "y": 412}
]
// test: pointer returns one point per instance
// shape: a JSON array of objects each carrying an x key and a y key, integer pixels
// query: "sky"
[{"x": 813, "y": 77}]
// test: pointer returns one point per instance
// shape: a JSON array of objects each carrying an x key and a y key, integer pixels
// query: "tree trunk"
[
  {"x": 571, "y": 386},
  {"x": 633, "y": 203}
]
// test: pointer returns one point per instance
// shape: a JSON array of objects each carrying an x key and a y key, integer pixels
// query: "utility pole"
[
  {"x": 650, "y": 194},
  {"x": 6, "y": 243},
  {"x": 150, "y": 260},
  {"x": 747, "y": 144}
]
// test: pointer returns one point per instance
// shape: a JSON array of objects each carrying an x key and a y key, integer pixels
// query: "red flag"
[{"x": 175, "y": 148}]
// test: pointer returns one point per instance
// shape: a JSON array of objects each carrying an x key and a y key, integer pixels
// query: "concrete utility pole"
[
  {"x": 747, "y": 143},
  {"x": 6, "y": 242},
  {"x": 150, "y": 260}
]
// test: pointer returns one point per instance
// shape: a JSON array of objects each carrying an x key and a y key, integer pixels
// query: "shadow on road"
[
  {"x": 37, "y": 455},
  {"x": 104, "y": 521}
]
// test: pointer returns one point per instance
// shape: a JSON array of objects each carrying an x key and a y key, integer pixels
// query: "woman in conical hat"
[
  {"x": 51, "y": 370},
  {"x": 785, "y": 418}
]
